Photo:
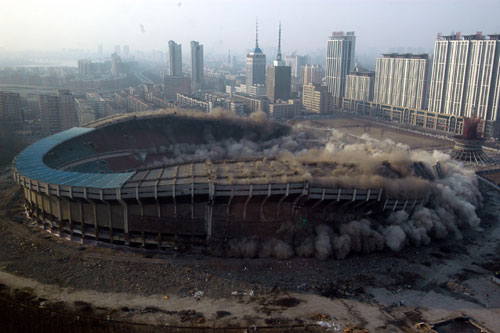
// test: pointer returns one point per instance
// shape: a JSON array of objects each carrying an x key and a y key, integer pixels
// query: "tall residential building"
[
  {"x": 85, "y": 68},
  {"x": 196, "y": 66},
  {"x": 359, "y": 86},
  {"x": 126, "y": 51},
  {"x": 312, "y": 74},
  {"x": 118, "y": 49},
  {"x": 339, "y": 63},
  {"x": 116, "y": 64},
  {"x": 175, "y": 58},
  {"x": 256, "y": 64},
  {"x": 466, "y": 76},
  {"x": 279, "y": 77},
  {"x": 316, "y": 98},
  {"x": 402, "y": 80},
  {"x": 57, "y": 112},
  {"x": 296, "y": 62},
  {"x": 99, "y": 50},
  {"x": 10, "y": 108}
]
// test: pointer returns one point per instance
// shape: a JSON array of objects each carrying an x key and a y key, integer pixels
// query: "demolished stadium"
[{"x": 240, "y": 187}]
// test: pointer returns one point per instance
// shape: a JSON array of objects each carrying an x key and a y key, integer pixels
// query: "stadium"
[{"x": 159, "y": 179}]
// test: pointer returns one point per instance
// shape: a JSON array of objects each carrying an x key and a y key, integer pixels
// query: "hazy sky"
[{"x": 224, "y": 24}]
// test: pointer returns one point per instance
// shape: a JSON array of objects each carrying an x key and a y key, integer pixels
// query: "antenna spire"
[
  {"x": 257, "y": 33},
  {"x": 279, "y": 44}
]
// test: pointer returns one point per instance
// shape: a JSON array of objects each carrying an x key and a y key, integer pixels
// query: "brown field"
[{"x": 358, "y": 127}]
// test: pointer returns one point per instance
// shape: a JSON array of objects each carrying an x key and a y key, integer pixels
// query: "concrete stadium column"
[
  {"x": 173, "y": 199},
  {"x": 82, "y": 218},
  {"x": 283, "y": 199},
  {"x": 228, "y": 208},
  {"x": 317, "y": 203},
  {"x": 210, "y": 209},
  {"x": 250, "y": 193},
  {"x": 302, "y": 195},
  {"x": 192, "y": 198},
  {"x": 262, "y": 217},
  {"x": 139, "y": 199},
  {"x": 157, "y": 200},
  {"x": 124, "y": 205},
  {"x": 70, "y": 217},
  {"x": 94, "y": 211}
]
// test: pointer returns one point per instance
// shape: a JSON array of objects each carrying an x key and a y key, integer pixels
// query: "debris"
[
  {"x": 198, "y": 294},
  {"x": 355, "y": 329},
  {"x": 319, "y": 316},
  {"x": 165, "y": 297},
  {"x": 399, "y": 303},
  {"x": 330, "y": 325},
  {"x": 424, "y": 327},
  {"x": 222, "y": 314}
]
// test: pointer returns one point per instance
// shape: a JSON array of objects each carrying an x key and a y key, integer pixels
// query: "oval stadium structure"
[{"x": 114, "y": 181}]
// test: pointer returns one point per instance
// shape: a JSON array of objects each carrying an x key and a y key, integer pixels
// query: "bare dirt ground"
[
  {"x": 358, "y": 127},
  {"x": 51, "y": 283}
]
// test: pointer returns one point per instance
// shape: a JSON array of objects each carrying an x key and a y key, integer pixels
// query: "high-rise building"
[
  {"x": 339, "y": 63},
  {"x": 118, "y": 50},
  {"x": 279, "y": 77},
  {"x": 316, "y": 98},
  {"x": 359, "y": 86},
  {"x": 196, "y": 65},
  {"x": 402, "y": 80},
  {"x": 175, "y": 84},
  {"x": 99, "y": 50},
  {"x": 126, "y": 51},
  {"x": 256, "y": 64},
  {"x": 313, "y": 74},
  {"x": 57, "y": 111},
  {"x": 466, "y": 76},
  {"x": 296, "y": 62},
  {"x": 85, "y": 68},
  {"x": 10, "y": 108},
  {"x": 116, "y": 64},
  {"x": 175, "y": 58}
]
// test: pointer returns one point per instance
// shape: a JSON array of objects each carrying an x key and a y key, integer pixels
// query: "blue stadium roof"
[{"x": 30, "y": 164}]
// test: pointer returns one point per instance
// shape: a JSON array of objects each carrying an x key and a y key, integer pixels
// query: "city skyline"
[{"x": 150, "y": 26}]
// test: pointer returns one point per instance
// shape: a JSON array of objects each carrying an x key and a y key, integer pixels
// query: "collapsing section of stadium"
[{"x": 303, "y": 194}]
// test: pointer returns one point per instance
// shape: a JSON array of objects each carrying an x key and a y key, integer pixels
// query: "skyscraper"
[
  {"x": 126, "y": 51},
  {"x": 99, "y": 50},
  {"x": 175, "y": 58},
  {"x": 279, "y": 77},
  {"x": 118, "y": 50},
  {"x": 256, "y": 63},
  {"x": 402, "y": 80},
  {"x": 296, "y": 62},
  {"x": 339, "y": 63},
  {"x": 196, "y": 65},
  {"x": 313, "y": 74},
  {"x": 57, "y": 111},
  {"x": 466, "y": 76},
  {"x": 116, "y": 64}
]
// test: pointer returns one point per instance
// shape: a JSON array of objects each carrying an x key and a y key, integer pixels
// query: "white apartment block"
[
  {"x": 339, "y": 63},
  {"x": 402, "y": 80},
  {"x": 465, "y": 76},
  {"x": 359, "y": 86}
]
